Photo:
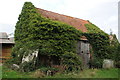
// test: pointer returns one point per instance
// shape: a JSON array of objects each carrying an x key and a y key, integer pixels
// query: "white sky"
[{"x": 103, "y": 13}]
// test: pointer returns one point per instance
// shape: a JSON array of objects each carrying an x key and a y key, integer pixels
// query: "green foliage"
[
  {"x": 37, "y": 32},
  {"x": 103, "y": 48},
  {"x": 56, "y": 37},
  {"x": 118, "y": 57},
  {"x": 72, "y": 61},
  {"x": 118, "y": 52},
  {"x": 45, "y": 69},
  {"x": 93, "y": 28},
  {"x": 100, "y": 43},
  {"x": 28, "y": 66},
  {"x": 114, "y": 50},
  {"x": 27, "y": 22},
  {"x": 96, "y": 63}
]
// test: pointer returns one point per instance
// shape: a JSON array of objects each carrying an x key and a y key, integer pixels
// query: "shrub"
[
  {"x": 117, "y": 58},
  {"x": 96, "y": 63},
  {"x": 45, "y": 69},
  {"x": 28, "y": 66}
]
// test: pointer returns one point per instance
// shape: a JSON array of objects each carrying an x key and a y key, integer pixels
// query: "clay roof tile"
[{"x": 75, "y": 22}]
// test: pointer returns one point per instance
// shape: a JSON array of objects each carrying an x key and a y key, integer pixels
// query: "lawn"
[{"x": 89, "y": 73}]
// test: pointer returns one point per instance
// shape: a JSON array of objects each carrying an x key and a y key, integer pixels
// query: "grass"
[
  {"x": 89, "y": 73},
  {"x": 111, "y": 73},
  {"x": 8, "y": 73}
]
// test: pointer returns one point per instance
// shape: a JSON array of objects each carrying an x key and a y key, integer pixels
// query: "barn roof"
[{"x": 75, "y": 22}]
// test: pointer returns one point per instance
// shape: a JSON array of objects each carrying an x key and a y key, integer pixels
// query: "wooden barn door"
[{"x": 83, "y": 49}]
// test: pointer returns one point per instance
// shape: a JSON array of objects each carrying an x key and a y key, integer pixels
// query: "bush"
[
  {"x": 45, "y": 69},
  {"x": 117, "y": 60},
  {"x": 96, "y": 63},
  {"x": 28, "y": 66},
  {"x": 117, "y": 64}
]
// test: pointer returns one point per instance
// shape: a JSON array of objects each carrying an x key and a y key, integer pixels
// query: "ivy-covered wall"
[
  {"x": 35, "y": 32},
  {"x": 98, "y": 39}
]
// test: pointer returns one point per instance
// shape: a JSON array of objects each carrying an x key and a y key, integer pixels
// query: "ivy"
[
  {"x": 99, "y": 41},
  {"x": 72, "y": 61}
]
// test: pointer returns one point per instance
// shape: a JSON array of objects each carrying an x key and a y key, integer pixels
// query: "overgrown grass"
[
  {"x": 89, "y": 73},
  {"x": 104, "y": 73},
  {"x": 8, "y": 73}
]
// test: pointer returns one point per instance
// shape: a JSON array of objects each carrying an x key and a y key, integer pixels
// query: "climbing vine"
[{"x": 99, "y": 41}]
